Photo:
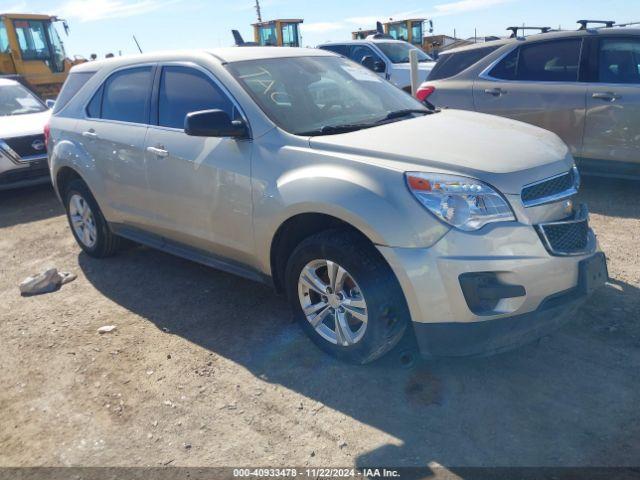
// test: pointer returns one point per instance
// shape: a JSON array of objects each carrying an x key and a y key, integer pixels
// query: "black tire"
[
  {"x": 106, "y": 242},
  {"x": 388, "y": 315}
]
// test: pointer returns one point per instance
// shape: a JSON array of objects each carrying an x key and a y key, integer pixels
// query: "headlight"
[{"x": 462, "y": 202}]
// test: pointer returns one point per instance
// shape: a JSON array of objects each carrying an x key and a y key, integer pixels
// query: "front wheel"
[{"x": 345, "y": 296}]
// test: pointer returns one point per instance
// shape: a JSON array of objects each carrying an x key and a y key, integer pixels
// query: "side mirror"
[
  {"x": 213, "y": 123},
  {"x": 50, "y": 103}
]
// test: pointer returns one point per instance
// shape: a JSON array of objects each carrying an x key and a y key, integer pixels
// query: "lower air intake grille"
[{"x": 569, "y": 237}]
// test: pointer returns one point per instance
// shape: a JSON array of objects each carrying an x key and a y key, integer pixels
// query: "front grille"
[
  {"x": 569, "y": 237},
  {"x": 551, "y": 189},
  {"x": 23, "y": 146}
]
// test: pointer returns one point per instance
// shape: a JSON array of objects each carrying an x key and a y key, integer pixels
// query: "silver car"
[
  {"x": 23, "y": 153},
  {"x": 304, "y": 170},
  {"x": 583, "y": 85}
]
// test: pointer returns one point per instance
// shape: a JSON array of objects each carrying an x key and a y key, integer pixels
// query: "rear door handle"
[
  {"x": 161, "y": 152},
  {"x": 90, "y": 134},
  {"x": 496, "y": 92},
  {"x": 608, "y": 96}
]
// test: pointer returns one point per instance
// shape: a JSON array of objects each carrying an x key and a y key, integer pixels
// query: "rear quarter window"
[
  {"x": 75, "y": 81},
  {"x": 451, "y": 64}
]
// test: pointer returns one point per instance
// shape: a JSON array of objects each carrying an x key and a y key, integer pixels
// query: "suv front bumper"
[
  {"x": 23, "y": 174},
  {"x": 543, "y": 289}
]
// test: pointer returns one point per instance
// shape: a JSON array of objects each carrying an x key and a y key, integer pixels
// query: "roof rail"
[
  {"x": 514, "y": 30},
  {"x": 584, "y": 24},
  {"x": 628, "y": 24}
]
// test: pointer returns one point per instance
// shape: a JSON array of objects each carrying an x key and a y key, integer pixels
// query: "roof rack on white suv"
[
  {"x": 514, "y": 30},
  {"x": 584, "y": 24}
]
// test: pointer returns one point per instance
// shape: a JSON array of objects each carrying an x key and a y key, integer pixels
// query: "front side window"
[
  {"x": 17, "y": 100},
  {"x": 619, "y": 61},
  {"x": 32, "y": 39},
  {"x": 399, "y": 52},
  {"x": 126, "y": 95},
  {"x": 312, "y": 95},
  {"x": 555, "y": 61},
  {"x": 358, "y": 52},
  {"x": 184, "y": 90}
]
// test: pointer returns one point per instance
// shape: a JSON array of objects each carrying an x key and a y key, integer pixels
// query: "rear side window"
[
  {"x": 451, "y": 64},
  {"x": 184, "y": 90},
  {"x": 555, "y": 61},
  {"x": 75, "y": 81},
  {"x": 339, "y": 49},
  {"x": 619, "y": 61},
  {"x": 126, "y": 95}
]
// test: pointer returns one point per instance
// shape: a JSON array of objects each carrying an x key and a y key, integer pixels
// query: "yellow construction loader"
[{"x": 31, "y": 52}]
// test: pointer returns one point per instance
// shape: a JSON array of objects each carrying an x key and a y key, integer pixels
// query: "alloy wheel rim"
[
  {"x": 332, "y": 302},
  {"x": 82, "y": 221}
]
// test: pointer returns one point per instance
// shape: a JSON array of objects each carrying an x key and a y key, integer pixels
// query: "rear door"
[
  {"x": 113, "y": 134},
  {"x": 200, "y": 187},
  {"x": 538, "y": 83},
  {"x": 612, "y": 130}
]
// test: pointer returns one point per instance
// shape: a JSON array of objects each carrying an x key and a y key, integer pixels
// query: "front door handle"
[
  {"x": 496, "y": 92},
  {"x": 608, "y": 96},
  {"x": 90, "y": 134},
  {"x": 161, "y": 152}
]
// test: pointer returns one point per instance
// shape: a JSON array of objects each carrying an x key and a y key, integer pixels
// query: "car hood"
[
  {"x": 504, "y": 153},
  {"x": 21, "y": 125}
]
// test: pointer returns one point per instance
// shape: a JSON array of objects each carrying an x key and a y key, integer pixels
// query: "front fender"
[{"x": 372, "y": 199}]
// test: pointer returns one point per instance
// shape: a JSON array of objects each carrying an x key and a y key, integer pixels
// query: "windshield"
[
  {"x": 399, "y": 52},
  {"x": 17, "y": 100},
  {"x": 313, "y": 95}
]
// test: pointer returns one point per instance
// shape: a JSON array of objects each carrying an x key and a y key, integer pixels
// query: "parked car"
[
  {"x": 387, "y": 57},
  {"x": 300, "y": 169},
  {"x": 583, "y": 85},
  {"x": 23, "y": 154}
]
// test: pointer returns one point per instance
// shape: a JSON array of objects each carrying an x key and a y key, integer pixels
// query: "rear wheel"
[
  {"x": 87, "y": 223},
  {"x": 345, "y": 296}
]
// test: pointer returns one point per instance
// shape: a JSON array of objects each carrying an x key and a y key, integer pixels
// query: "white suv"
[
  {"x": 23, "y": 153},
  {"x": 388, "y": 58}
]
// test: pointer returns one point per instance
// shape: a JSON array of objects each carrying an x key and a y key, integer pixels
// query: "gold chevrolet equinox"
[{"x": 375, "y": 216}]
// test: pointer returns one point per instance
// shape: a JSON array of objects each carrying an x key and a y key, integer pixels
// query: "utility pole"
[{"x": 258, "y": 12}]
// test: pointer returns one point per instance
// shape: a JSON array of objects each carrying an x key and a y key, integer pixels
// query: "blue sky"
[{"x": 101, "y": 26}]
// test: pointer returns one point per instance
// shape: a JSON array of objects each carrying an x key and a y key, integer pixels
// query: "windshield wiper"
[
  {"x": 335, "y": 129},
  {"x": 405, "y": 113}
]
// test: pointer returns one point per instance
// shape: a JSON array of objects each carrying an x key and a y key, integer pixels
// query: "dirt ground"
[{"x": 206, "y": 369}]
